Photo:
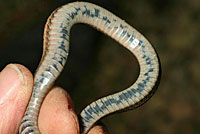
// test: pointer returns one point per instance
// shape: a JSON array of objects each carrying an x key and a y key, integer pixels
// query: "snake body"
[{"x": 56, "y": 47}]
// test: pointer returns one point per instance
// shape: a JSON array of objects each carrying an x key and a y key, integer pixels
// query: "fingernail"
[
  {"x": 76, "y": 120},
  {"x": 10, "y": 80}
]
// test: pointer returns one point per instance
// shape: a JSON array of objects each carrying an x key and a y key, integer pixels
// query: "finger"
[
  {"x": 57, "y": 115},
  {"x": 98, "y": 129},
  {"x": 15, "y": 90}
]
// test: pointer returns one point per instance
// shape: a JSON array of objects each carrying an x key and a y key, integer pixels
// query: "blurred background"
[{"x": 98, "y": 66}]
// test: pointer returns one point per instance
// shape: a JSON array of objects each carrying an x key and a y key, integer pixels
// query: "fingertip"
[
  {"x": 26, "y": 78},
  {"x": 98, "y": 129},
  {"x": 16, "y": 83},
  {"x": 15, "y": 90},
  {"x": 57, "y": 114}
]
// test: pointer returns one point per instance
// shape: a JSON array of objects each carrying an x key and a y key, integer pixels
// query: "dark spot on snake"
[
  {"x": 107, "y": 102},
  {"x": 96, "y": 12},
  {"x": 128, "y": 96},
  {"x": 122, "y": 26},
  {"x": 140, "y": 87},
  {"x": 63, "y": 36},
  {"x": 105, "y": 18},
  {"x": 123, "y": 97},
  {"x": 55, "y": 66},
  {"x": 62, "y": 46},
  {"x": 88, "y": 116},
  {"x": 131, "y": 93},
  {"x": 77, "y": 9},
  {"x": 128, "y": 34},
  {"x": 103, "y": 106},
  {"x": 72, "y": 15},
  {"x": 114, "y": 20},
  {"x": 64, "y": 31},
  {"x": 91, "y": 111},
  {"x": 123, "y": 33},
  {"x": 150, "y": 70},
  {"x": 97, "y": 108},
  {"x": 87, "y": 11},
  {"x": 41, "y": 80},
  {"x": 131, "y": 39}
]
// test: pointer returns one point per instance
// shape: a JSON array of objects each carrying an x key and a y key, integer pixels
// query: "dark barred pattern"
[{"x": 56, "y": 47}]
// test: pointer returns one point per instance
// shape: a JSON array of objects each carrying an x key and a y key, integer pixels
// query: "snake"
[{"x": 55, "y": 52}]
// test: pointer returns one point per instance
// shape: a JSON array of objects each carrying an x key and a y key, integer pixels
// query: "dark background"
[{"x": 98, "y": 66}]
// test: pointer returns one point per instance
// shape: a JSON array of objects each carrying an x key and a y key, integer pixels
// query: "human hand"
[{"x": 56, "y": 115}]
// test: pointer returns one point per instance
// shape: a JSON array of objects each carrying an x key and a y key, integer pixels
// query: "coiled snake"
[{"x": 56, "y": 47}]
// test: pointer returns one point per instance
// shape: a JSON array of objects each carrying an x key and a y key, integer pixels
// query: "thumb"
[{"x": 15, "y": 90}]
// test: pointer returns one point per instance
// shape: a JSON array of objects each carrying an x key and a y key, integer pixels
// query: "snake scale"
[{"x": 55, "y": 52}]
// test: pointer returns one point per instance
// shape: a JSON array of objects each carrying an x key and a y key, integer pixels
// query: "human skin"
[{"x": 56, "y": 116}]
